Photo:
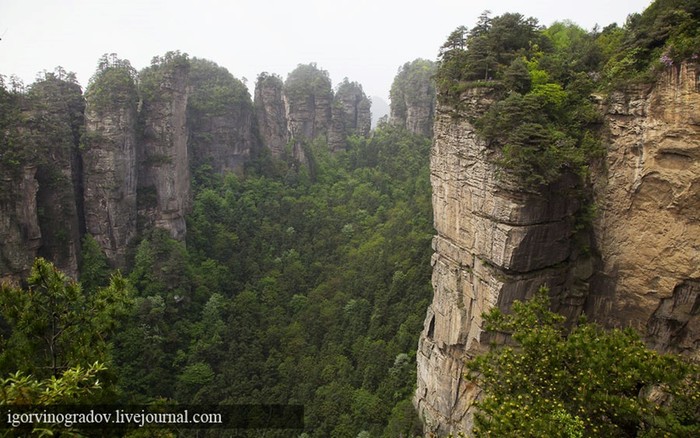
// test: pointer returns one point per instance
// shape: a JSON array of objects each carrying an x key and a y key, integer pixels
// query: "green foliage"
[
  {"x": 292, "y": 290},
  {"x": 307, "y": 80},
  {"x": 544, "y": 133},
  {"x": 54, "y": 324},
  {"x": 94, "y": 268},
  {"x": 12, "y": 150},
  {"x": 485, "y": 51},
  {"x": 171, "y": 68},
  {"x": 542, "y": 121},
  {"x": 552, "y": 382},
  {"x": 215, "y": 92},
  {"x": 73, "y": 386},
  {"x": 40, "y": 125},
  {"x": 665, "y": 34},
  {"x": 113, "y": 86}
]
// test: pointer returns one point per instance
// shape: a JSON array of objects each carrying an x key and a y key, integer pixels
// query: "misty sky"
[{"x": 364, "y": 40}]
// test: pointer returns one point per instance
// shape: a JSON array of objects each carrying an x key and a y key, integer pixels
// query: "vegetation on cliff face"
[
  {"x": 308, "y": 81},
  {"x": 543, "y": 120},
  {"x": 589, "y": 382},
  {"x": 113, "y": 85},
  {"x": 667, "y": 33},
  {"x": 413, "y": 96}
]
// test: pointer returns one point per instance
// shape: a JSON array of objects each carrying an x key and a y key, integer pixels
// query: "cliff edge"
[{"x": 497, "y": 242}]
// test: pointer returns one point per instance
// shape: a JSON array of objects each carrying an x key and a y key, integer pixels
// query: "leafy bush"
[{"x": 551, "y": 382}]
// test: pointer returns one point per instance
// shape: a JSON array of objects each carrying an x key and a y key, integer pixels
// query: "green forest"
[{"x": 288, "y": 290}]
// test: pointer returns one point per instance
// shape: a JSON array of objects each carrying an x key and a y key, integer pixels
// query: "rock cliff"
[
  {"x": 19, "y": 228},
  {"x": 305, "y": 108},
  {"x": 164, "y": 174},
  {"x": 118, "y": 161},
  {"x": 109, "y": 160},
  {"x": 413, "y": 97},
  {"x": 56, "y": 121},
  {"x": 308, "y": 98},
  {"x": 496, "y": 242},
  {"x": 648, "y": 228},
  {"x": 270, "y": 113},
  {"x": 40, "y": 200},
  {"x": 350, "y": 115},
  {"x": 220, "y": 118}
]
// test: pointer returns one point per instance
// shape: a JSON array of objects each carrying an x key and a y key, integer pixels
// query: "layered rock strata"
[
  {"x": 648, "y": 226},
  {"x": 270, "y": 114},
  {"x": 109, "y": 164},
  {"x": 19, "y": 228},
  {"x": 164, "y": 175},
  {"x": 496, "y": 242}
]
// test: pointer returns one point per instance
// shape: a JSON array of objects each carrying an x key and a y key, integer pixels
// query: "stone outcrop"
[
  {"x": 497, "y": 242},
  {"x": 304, "y": 108},
  {"x": 220, "y": 118},
  {"x": 117, "y": 162},
  {"x": 648, "y": 226},
  {"x": 164, "y": 175},
  {"x": 413, "y": 97},
  {"x": 40, "y": 190},
  {"x": 308, "y": 98},
  {"x": 56, "y": 114},
  {"x": 109, "y": 162},
  {"x": 351, "y": 115},
  {"x": 270, "y": 113},
  {"x": 19, "y": 228}
]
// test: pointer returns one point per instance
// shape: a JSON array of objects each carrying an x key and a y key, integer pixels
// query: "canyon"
[{"x": 121, "y": 159}]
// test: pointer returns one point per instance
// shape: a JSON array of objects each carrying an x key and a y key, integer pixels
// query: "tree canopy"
[{"x": 545, "y": 380}]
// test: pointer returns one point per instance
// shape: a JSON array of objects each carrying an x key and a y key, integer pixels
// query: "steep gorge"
[
  {"x": 497, "y": 242},
  {"x": 119, "y": 161}
]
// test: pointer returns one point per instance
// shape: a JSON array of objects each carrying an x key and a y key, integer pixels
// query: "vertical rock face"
[
  {"x": 109, "y": 161},
  {"x": 350, "y": 115},
  {"x": 57, "y": 109},
  {"x": 164, "y": 175},
  {"x": 648, "y": 227},
  {"x": 496, "y": 242},
  {"x": 413, "y": 97},
  {"x": 308, "y": 98},
  {"x": 270, "y": 113},
  {"x": 19, "y": 227},
  {"x": 305, "y": 108},
  {"x": 220, "y": 117}
]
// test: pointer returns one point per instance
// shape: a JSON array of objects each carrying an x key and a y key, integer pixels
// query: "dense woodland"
[{"x": 308, "y": 284}]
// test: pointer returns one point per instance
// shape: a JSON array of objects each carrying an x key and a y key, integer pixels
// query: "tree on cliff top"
[
  {"x": 308, "y": 80},
  {"x": 548, "y": 382}
]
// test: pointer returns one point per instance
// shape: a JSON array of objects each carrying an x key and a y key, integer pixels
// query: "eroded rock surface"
[
  {"x": 496, "y": 242},
  {"x": 648, "y": 226}
]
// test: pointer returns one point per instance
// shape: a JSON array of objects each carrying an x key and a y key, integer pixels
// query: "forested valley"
[
  {"x": 297, "y": 284},
  {"x": 169, "y": 256}
]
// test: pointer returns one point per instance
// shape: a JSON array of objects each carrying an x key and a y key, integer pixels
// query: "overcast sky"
[{"x": 364, "y": 40}]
